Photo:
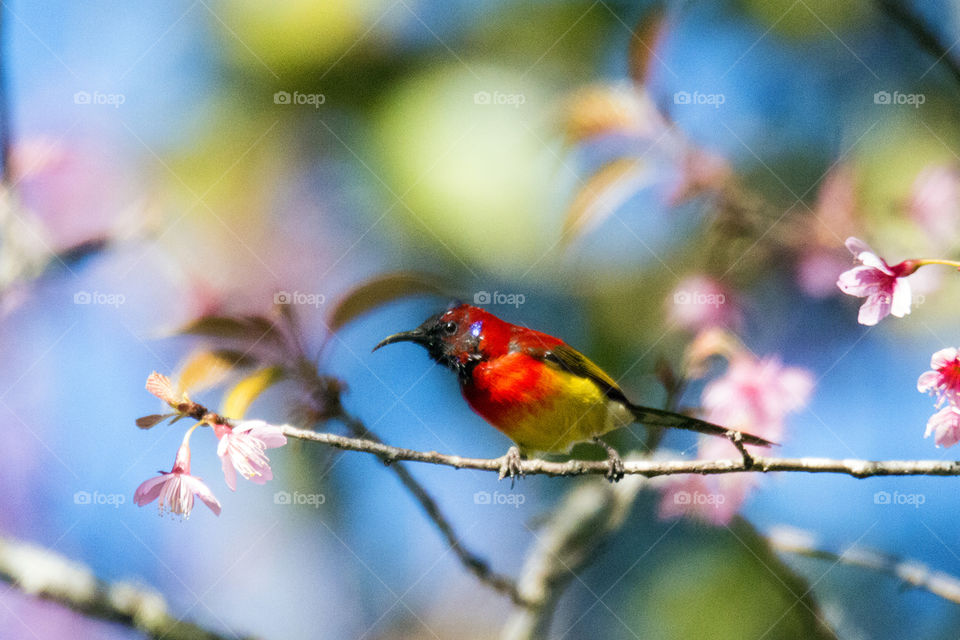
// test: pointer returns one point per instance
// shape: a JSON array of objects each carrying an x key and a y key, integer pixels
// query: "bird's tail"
[{"x": 660, "y": 418}]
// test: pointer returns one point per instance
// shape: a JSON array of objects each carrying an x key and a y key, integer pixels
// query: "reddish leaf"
[
  {"x": 149, "y": 421},
  {"x": 380, "y": 290},
  {"x": 647, "y": 34},
  {"x": 250, "y": 329}
]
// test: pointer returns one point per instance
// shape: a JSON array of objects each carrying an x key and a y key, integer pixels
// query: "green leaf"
[
  {"x": 380, "y": 290},
  {"x": 201, "y": 370},
  {"x": 242, "y": 395},
  {"x": 724, "y": 583}
]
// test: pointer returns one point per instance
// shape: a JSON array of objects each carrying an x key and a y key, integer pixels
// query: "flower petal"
[
  {"x": 862, "y": 281},
  {"x": 875, "y": 308},
  {"x": 941, "y": 358},
  {"x": 900, "y": 305},
  {"x": 197, "y": 486},
  {"x": 148, "y": 490},
  {"x": 229, "y": 473}
]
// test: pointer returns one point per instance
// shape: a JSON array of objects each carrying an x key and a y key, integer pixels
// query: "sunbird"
[{"x": 539, "y": 391}]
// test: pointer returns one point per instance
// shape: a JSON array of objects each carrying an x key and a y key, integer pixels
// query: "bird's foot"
[
  {"x": 616, "y": 471},
  {"x": 510, "y": 464}
]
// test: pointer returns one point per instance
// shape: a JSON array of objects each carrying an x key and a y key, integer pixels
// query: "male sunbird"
[{"x": 540, "y": 392}]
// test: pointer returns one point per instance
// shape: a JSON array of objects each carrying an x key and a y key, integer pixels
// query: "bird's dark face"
[{"x": 455, "y": 338}]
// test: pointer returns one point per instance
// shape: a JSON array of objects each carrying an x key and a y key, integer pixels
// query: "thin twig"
[
  {"x": 649, "y": 468},
  {"x": 901, "y": 14},
  {"x": 474, "y": 563},
  {"x": 911, "y": 572},
  {"x": 42, "y": 573}
]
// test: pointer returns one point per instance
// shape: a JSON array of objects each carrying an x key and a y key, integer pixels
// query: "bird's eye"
[{"x": 449, "y": 328}]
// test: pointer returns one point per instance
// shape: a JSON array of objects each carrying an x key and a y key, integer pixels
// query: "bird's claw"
[
  {"x": 510, "y": 464},
  {"x": 616, "y": 471}
]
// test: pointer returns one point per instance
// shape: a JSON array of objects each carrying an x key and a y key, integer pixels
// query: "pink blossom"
[
  {"x": 699, "y": 302},
  {"x": 177, "y": 487},
  {"x": 755, "y": 395},
  {"x": 242, "y": 449},
  {"x": 884, "y": 287},
  {"x": 816, "y": 272},
  {"x": 943, "y": 380},
  {"x": 935, "y": 201},
  {"x": 714, "y": 499},
  {"x": 945, "y": 424},
  {"x": 77, "y": 188}
]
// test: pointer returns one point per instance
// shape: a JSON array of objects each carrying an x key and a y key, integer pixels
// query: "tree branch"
[
  {"x": 901, "y": 14},
  {"x": 911, "y": 572},
  {"x": 42, "y": 573},
  {"x": 474, "y": 563},
  {"x": 649, "y": 468}
]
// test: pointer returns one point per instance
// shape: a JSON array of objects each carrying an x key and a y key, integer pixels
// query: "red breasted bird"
[{"x": 540, "y": 392}]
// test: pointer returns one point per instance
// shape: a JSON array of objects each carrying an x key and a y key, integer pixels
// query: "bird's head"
[{"x": 458, "y": 338}]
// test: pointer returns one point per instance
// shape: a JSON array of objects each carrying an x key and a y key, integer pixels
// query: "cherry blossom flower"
[
  {"x": 884, "y": 287},
  {"x": 714, "y": 499},
  {"x": 935, "y": 201},
  {"x": 242, "y": 449},
  {"x": 176, "y": 488},
  {"x": 699, "y": 302},
  {"x": 945, "y": 425},
  {"x": 943, "y": 379},
  {"x": 755, "y": 395}
]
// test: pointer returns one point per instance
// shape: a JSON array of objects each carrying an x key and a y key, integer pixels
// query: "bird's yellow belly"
[{"x": 559, "y": 410}]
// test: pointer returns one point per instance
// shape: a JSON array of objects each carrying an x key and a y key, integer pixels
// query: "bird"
[{"x": 540, "y": 392}]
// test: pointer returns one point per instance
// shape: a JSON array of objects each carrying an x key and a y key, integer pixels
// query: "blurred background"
[{"x": 591, "y": 168}]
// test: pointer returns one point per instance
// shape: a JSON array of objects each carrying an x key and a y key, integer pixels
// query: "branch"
[
  {"x": 42, "y": 573},
  {"x": 589, "y": 514},
  {"x": 911, "y": 572},
  {"x": 897, "y": 11},
  {"x": 648, "y": 468},
  {"x": 474, "y": 563}
]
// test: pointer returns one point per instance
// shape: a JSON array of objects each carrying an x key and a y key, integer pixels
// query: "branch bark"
[
  {"x": 648, "y": 468},
  {"x": 474, "y": 563},
  {"x": 42, "y": 573},
  {"x": 910, "y": 572}
]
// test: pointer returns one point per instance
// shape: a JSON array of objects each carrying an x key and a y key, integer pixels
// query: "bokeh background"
[{"x": 442, "y": 137}]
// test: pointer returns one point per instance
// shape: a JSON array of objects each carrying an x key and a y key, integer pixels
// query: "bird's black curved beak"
[{"x": 417, "y": 335}]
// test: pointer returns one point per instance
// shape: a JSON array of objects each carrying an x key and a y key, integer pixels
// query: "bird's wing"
[{"x": 571, "y": 360}]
